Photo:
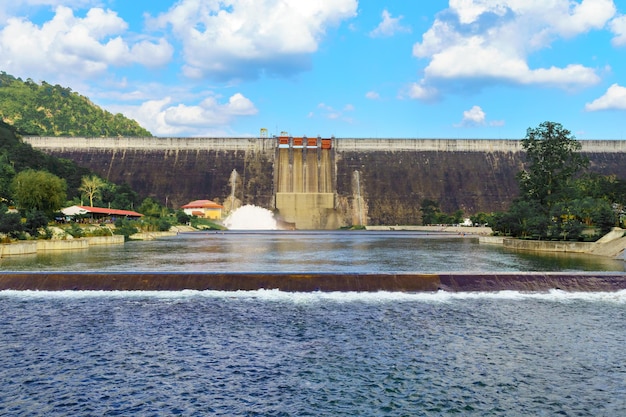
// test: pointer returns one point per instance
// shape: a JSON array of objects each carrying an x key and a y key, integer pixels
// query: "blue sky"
[{"x": 349, "y": 68}]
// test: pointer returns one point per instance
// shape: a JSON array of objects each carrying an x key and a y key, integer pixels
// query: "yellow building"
[{"x": 204, "y": 208}]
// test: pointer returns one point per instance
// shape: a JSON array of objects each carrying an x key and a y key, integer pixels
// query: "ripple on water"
[{"x": 269, "y": 353}]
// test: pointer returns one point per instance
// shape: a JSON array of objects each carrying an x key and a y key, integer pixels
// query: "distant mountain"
[{"x": 52, "y": 110}]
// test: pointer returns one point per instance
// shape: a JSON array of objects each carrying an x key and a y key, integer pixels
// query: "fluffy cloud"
[
  {"x": 474, "y": 116},
  {"x": 613, "y": 99},
  {"x": 389, "y": 26},
  {"x": 75, "y": 46},
  {"x": 420, "y": 91},
  {"x": 489, "y": 41},
  {"x": 372, "y": 95},
  {"x": 477, "y": 117},
  {"x": 618, "y": 27},
  {"x": 234, "y": 39},
  {"x": 163, "y": 117}
]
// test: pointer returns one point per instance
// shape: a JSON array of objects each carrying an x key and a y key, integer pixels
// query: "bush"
[
  {"x": 75, "y": 230},
  {"x": 35, "y": 220},
  {"x": 11, "y": 223},
  {"x": 125, "y": 227},
  {"x": 163, "y": 225},
  {"x": 182, "y": 217}
]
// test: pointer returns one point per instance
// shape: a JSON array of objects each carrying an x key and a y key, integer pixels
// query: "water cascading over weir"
[{"x": 304, "y": 181}]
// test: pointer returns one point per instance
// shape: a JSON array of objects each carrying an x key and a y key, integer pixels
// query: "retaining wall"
[
  {"x": 32, "y": 247},
  {"x": 549, "y": 246}
]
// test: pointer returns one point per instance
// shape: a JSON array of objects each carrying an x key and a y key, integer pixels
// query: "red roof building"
[
  {"x": 204, "y": 208},
  {"x": 99, "y": 212}
]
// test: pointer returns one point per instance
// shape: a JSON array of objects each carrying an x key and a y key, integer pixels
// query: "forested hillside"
[
  {"x": 52, "y": 110},
  {"x": 17, "y": 156}
]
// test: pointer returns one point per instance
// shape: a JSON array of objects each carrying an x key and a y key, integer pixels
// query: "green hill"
[
  {"x": 52, "y": 110},
  {"x": 16, "y": 156}
]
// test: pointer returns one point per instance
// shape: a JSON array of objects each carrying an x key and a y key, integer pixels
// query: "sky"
[{"x": 346, "y": 68}]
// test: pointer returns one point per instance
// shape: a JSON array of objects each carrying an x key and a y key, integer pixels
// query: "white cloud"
[
  {"x": 489, "y": 41},
  {"x": 420, "y": 91},
  {"x": 372, "y": 95},
  {"x": 613, "y": 99},
  {"x": 389, "y": 26},
  {"x": 331, "y": 113},
  {"x": 72, "y": 46},
  {"x": 618, "y": 27},
  {"x": 477, "y": 117},
  {"x": 234, "y": 39},
  {"x": 473, "y": 117},
  {"x": 164, "y": 118}
]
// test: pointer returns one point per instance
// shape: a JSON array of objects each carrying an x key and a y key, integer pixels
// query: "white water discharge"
[
  {"x": 251, "y": 217},
  {"x": 381, "y": 297}
]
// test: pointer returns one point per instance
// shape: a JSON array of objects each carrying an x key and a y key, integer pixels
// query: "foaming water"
[
  {"x": 251, "y": 217},
  {"x": 618, "y": 297}
]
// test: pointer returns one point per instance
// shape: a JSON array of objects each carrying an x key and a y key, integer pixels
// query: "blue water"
[
  {"x": 270, "y": 353},
  {"x": 267, "y": 353},
  {"x": 309, "y": 252}
]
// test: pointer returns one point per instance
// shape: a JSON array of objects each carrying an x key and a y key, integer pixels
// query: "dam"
[{"x": 322, "y": 183}]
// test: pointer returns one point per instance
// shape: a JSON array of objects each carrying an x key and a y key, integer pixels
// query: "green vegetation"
[
  {"x": 91, "y": 186},
  {"x": 39, "y": 191},
  {"x": 52, "y": 110},
  {"x": 17, "y": 156},
  {"x": 432, "y": 214},
  {"x": 557, "y": 200}
]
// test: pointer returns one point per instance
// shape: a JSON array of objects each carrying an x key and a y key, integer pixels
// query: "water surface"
[{"x": 309, "y": 252}]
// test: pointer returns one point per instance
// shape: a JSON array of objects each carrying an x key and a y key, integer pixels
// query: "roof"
[
  {"x": 74, "y": 210},
  {"x": 206, "y": 204}
]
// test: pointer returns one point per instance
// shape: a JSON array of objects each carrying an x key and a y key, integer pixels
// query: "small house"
[{"x": 204, "y": 208}]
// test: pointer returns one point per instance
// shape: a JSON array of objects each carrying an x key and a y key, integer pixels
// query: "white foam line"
[{"x": 381, "y": 297}]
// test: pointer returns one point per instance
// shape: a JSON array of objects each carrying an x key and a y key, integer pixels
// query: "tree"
[
  {"x": 150, "y": 208},
  {"x": 553, "y": 158},
  {"x": 39, "y": 190},
  {"x": 91, "y": 186},
  {"x": 10, "y": 223},
  {"x": 7, "y": 172},
  {"x": 430, "y": 212},
  {"x": 35, "y": 220}
]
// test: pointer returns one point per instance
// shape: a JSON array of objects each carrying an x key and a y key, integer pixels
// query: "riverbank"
[
  {"x": 458, "y": 230},
  {"x": 36, "y": 246},
  {"x": 611, "y": 245}
]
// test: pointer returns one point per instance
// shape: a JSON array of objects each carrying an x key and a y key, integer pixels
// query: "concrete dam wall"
[{"x": 355, "y": 181}]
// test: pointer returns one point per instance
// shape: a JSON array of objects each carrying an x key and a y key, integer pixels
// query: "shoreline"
[
  {"x": 459, "y": 230},
  {"x": 322, "y": 282}
]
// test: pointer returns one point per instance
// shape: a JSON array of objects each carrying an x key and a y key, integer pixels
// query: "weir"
[{"x": 300, "y": 282}]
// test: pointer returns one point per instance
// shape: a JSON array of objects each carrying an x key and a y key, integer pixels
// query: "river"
[{"x": 271, "y": 353}]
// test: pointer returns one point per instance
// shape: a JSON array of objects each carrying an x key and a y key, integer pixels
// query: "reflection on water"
[{"x": 273, "y": 251}]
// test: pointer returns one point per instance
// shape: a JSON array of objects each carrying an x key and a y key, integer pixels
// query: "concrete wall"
[
  {"x": 395, "y": 175},
  {"x": 308, "y": 210},
  {"x": 32, "y": 247},
  {"x": 269, "y": 144},
  {"x": 549, "y": 246}
]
